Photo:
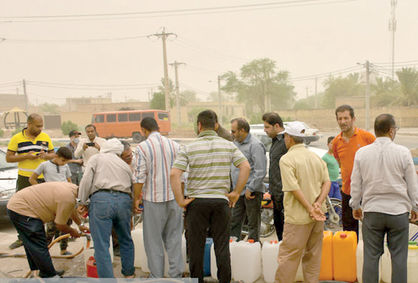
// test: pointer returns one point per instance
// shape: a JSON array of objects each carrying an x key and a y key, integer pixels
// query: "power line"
[
  {"x": 172, "y": 12},
  {"x": 326, "y": 74},
  {"x": 87, "y": 88},
  {"x": 94, "y": 85},
  {"x": 17, "y": 40}
]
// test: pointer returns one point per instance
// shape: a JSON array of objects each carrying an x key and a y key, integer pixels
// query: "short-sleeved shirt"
[
  {"x": 302, "y": 170},
  {"x": 333, "y": 166},
  {"x": 209, "y": 159},
  {"x": 52, "y": 172},
  {"x": 50, "y": 202},
  {"x": 21, "y": 144},
  {"x": 344, "y": 152}
]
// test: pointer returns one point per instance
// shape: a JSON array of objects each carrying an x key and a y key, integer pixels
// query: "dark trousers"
[
  {"x": 21, "y": 183},
  {"x": 250, "y": 208},
  {"x": 32, "y": 233},
  {"x": 375, "y": 226},
  {"x": 349, "y": 223},
  {"x": 278, "y": 214},
  {"x": 53, "y": 232},
  {"x": 204, "y": 213}
]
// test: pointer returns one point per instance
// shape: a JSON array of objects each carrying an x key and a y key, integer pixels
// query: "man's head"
[
  {"x": 273, "y": 124},
  {"x": 206, "y": 120},
  {"x": 91, "y": 131},
  {"x": 345, "y": 118},
  {"x": 294, "y": 134},
  {"x": 329, "y": 143},
  {"x": 63, "y": 156},
  {"x": 149, "y": 125},
  {"x": 35, "y": 124},
  {"x": 385, "y": 126},
  {"x": 239, "y": 129},
  {"x": 74, "y": 136},
  {"x": 126, "y": 153}
]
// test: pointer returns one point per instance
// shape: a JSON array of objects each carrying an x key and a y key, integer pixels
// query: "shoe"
[
  {"x": 66, "y": 253},
  {"x": 60, "y": 272},
  {"x": 16, "y": 244}
]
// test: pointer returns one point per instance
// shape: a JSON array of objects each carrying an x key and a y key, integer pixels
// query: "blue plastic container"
[{"x": 206, "y": 259}]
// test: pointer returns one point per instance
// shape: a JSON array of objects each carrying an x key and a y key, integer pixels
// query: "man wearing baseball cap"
[
  {"x": 305, "y": 185},
  {"x": 75, "y": 163}
]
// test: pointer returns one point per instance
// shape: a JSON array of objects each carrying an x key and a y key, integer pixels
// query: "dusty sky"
[{"x": 303, "y": 40}]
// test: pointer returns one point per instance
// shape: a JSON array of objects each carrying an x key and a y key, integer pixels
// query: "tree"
[
  {"x": 341, "y": 86},
  {"x": 386, "y": 92},
  {"x": 49, "y": 108},
  {"x": 261, "y": 84},
  {"x": 68, "y": 126},
  {"x": 408, "y": 79},
  {"x": 187, "y": 96},
  {"x": 157, "y": 101}
]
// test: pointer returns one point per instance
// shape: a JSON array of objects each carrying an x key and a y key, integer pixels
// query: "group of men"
[{"x": 206, "y": 178}]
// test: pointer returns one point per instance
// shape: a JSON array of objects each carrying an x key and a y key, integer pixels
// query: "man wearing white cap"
[{"x": 305, "y": 185}]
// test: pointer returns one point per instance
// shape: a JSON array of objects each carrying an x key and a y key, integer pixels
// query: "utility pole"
[
  {"x": 367, "y": 106},
  {"x": 164, "y": 35},
  {"x": 220, "y": 100},
  {"x": 392, "y": 28},
  {"x": 176, "y": 64},
  {"x": 316, "y": 93},
  {"x": 25, "y": 94}
]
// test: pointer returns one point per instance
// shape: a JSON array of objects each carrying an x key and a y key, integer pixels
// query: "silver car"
[{"x": 8, "y": 175}]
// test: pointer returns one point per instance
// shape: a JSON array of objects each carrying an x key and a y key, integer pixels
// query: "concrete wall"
[{"x": 325, "y": 118}]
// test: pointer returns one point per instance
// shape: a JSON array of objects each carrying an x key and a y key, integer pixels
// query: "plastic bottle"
[
  {"x": 247, "y": 261},
  {"x": 344, "y": 256},
  {"x": 326, "y": 272},
  {"x": 269, "y": 255}
]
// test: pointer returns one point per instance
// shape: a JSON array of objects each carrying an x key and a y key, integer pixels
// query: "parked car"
[
  {"x": 8, "y": 175},
  {"x": 312, "y": 134}
]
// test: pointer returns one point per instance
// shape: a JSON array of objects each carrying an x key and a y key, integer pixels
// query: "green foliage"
[
  {"x": 1, "y": 133},
  {"x": 192, "y": 114},
  {"x": 408, "y": 79},
  {"x": 305, "y": 103},
  {"x": 67, "y": 127},
  {"x": 49, "y": 108},
  {"x": 341, "y": 86},
  {"x": 260, "y": 83},
  {"x": 157, "y": 101},
  {"x": 386, "y": 92}
]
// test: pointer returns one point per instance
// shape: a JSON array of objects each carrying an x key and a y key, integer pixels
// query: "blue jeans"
[
  {"x": 111, "y": 209},
  {"x": 334, "y": 191}
]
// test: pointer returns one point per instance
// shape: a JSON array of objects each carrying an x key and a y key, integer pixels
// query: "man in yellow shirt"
[
  {"x": 305, "y": 185},
  {"x": 29, "y": 148}
]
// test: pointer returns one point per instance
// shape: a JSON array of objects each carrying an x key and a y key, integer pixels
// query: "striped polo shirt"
[
  {"x": 21, "y": 144},
  {"x": 154, "y": 158},
  {"x": 209, "y": 161}
]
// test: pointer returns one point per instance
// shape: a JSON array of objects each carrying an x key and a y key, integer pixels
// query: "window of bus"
[
  {"x": 111, "y": 118},
  {"x": 163, "y": 116},
  {"x": 148, "y": 114},
  {"x": 123, "y": 117},
  {"x": 134, "y": 116},
  {"x": 99, "y": 119}
]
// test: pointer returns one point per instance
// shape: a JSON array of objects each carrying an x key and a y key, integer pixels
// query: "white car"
[{"x": 8, "y": 175}]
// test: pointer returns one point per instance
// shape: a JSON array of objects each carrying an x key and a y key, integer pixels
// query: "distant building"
[{"x": 8, "y": 101}]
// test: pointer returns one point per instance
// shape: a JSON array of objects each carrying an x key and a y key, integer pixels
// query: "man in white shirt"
[
  {"x": 384, "y": 190},
  {"x": 87, "y": 147}
]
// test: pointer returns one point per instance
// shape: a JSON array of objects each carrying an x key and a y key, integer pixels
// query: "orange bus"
[{"x": 124, "y": 124}]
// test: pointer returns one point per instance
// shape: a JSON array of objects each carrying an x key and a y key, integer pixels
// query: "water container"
[
  {"x": 90, "y": 251},
  {"x": 269, "y": 255},
  {"x": 140, "y": 256},
  {"x": 413, "y": 263},
  {"x": 213, "y": 266},
  {"x": 183, "y": 251},
  {"x": 247, "y": 261},
  {"x": 386, "y": 266},
  {"x": 299, "y": 273},
  {"x": 91, "y": 268},
  {"x": 326, "y": 272},
  {"x": 206, "y": 258},
  {"x": 344, "y": 256}
]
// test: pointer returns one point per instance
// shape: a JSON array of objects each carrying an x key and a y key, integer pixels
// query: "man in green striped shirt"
[{"x": 208, "y": 160}]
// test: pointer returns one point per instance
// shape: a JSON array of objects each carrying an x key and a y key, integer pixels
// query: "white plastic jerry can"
[
  {"x": 413, "y": 263},
  {"x": 90, "y": 251},
  {"x": 269, "y": 255},
  {"x": 247, "y": 261},
  {"x": 213, "y": 266},
  {"x": 140, "y": 256}
]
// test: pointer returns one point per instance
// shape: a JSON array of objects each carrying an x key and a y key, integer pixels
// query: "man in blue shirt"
[{"x": 249, "y": 203}]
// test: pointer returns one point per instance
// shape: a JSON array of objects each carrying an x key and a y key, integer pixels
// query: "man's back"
[
  {"x": 387, "y": 175},
  {"x": 154, "y": 158},
  {"x": 209, "y": 159}
]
